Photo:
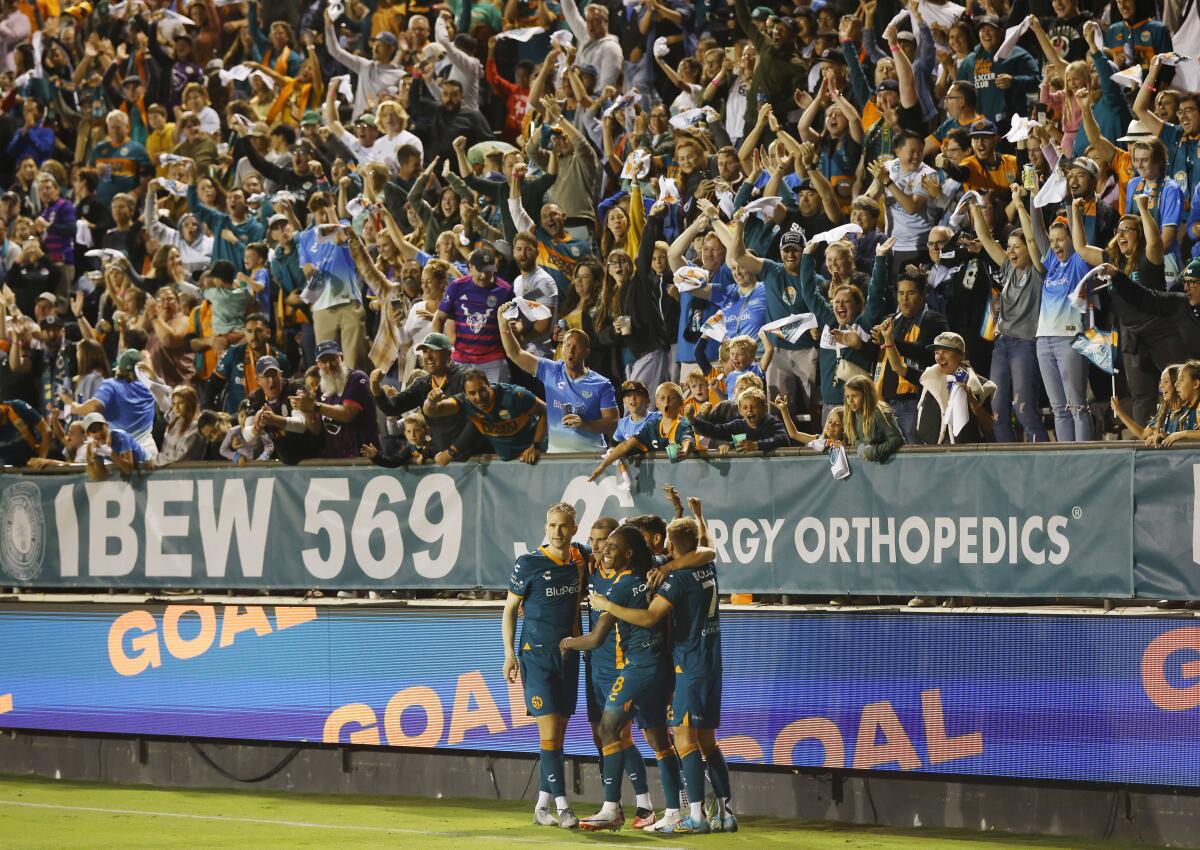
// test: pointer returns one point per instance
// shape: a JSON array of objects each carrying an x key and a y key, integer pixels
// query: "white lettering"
[
  {"x": 809, "y": 556},
  {"x": 1054, "y": 531},
  {"x": 1014, "y": 539},
  {"x": 718, "y": 534},
  {"x": 317, "y": 521},
  {"x": 943, "y": 536},
  {"x": 1033, "y": 556},
  {"x": 235, "y": 518},
  {"x": 448, "y": 530},
  {"x": 839, "y": 533},
  {"x": 910, "y": 555},
  {"x": 879, "y": 539},
  {"x": 770, "y": 532},
  {"x": 993, "y": 540},
  {"x": 968, "y": 539},
  {"x": 67, "y": 525},
  {"x": 860, "y": 524},
  {"x": 745, "y": 551},
  {"x": 367, "y": 522},
  {"x": 160, "y": 525},
  {"x": 102, "y": 527}
]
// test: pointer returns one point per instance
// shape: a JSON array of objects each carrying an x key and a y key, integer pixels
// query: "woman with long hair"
[
  {"x": 870, "y": 425},
  {"x": 1166, "y": 418},
  {"x": 92, "y": 369},
  {"x": 182, "y": 440},
  {"x": 166, "y": 324},
  {"x": 579, "y": 309},
  {"x": 1187, "y": 385},
  {"x": 1149, "y": 344}
]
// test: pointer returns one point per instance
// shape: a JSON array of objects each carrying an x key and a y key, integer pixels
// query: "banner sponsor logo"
[{"x": 22, "y": 531}]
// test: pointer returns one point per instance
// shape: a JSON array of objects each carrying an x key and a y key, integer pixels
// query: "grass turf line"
[{"x": 86, "y": 815}]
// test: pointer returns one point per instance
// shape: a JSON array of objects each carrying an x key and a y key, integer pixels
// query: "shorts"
[
  {"x": 641, "y": 692},
  {"x": 551, "y": 682},
  {"x": 599, "y": 683},
  {"x": 697, "y": 702}
]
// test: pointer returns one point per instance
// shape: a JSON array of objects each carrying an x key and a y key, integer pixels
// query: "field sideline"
[{"x": 37, "y": 813}]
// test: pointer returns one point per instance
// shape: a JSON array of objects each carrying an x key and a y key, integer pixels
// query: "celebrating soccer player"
[
  {"x": 690, "y": 595},
  {"x": 548, "y": 583}
]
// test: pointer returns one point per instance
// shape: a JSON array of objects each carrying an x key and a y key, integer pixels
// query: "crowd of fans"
[{"x": 420, "y": 232}]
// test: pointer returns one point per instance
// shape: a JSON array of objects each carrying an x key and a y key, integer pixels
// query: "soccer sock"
[
  {"x": 718, "y": 775},
  {"x": 544, "y": 800},
  {"x": 552, "y": 768},
  {"x": 635, "y": 766},
  {"x": 669, "y": 774},
  {"x": 693, "y": 778},
  {"x": 543, "y": 785},
  {"x": 644, "y": 801},
  {"x": 613, "y": 764}
]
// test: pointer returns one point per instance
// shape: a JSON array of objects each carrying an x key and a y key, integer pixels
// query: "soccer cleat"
[
  {"x": 645, "y": 821},
  {"x": 601, "y": 821},
  {"x": 543, "y": 817},
  {"x": 662, "y": 822},
  {"x": 723, "y": 823},
  {"x": 685, "y": 826},
  {"x": 567, "y": 819}
]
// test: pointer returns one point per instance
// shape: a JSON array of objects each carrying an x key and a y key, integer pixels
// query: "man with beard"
[
  {"x": 914, "y": 328},
  {"x": 445, "y": 375},
  {"x": 450, "y": 120},
  {"x": 296, "y": 437},
  {"x": 1182, "y": 140},
  {"x": 232, "y": 231},
  {"x": 1099, "y": 219},
  {"x": 346, "y": 407},
  {"x": 534, "y": 283}
]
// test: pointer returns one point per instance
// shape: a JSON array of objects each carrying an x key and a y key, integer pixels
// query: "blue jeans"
[
  {"x": 1064, "y": 373},
  {"x": 1015, "y": 373},
  {"x": 906, "y": 417}
]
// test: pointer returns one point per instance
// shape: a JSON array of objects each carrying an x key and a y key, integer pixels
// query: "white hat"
[{"x": 93, "y": 419}]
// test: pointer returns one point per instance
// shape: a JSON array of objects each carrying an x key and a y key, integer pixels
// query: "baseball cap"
[
  {"x": 259, "y": 128},
  {"x": 792, "y": 239},
  {"x": 983, "y": 127},
  {"x": 905, "y": 35},
  {"x": 435, "y": 342},
  {"x": 48, "y": 296},
  {"x": 633, "y": 388},
  {"x": 888, "y": 85},
  {"x": 1192, "y": 269},
  {"x": 1087, "y": 164},
  {"x": 93, "y": 419},
  {"x": 51, "y": 321},
  {"x": 131, "y": 79},
  {"x": 387, "y": 38},
  {"x": 761, "y": 13},
  {"x": 328, "y": 347},
  {"x": 806, "y": 183},
  {"x": 483, "y": 260},
  {"x": 949, "y": 341},
  {"x": 988, "y": 21},
  {"x": 129, "y": 358},
  {"x": 278, "y": 218},
  {"x": 265, "y": 364},
  {"x": 1135, "y": 130},
  {"x": 310, "y": 118},
  {"x": 589, "y": 69},
  {"x": 834, "y": 56},
  {"x": 366, "y": 118}
]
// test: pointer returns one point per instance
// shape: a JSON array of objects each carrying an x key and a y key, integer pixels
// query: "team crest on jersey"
[
  {"x": 586, "y": 393},
  {"x": 504, "y": 414},
  {"x": 491, "y": 301},
  {"x": 536, "y": 702},
  {"x": 1145, "y": 35},
  {"x": 475, "y": 321}
]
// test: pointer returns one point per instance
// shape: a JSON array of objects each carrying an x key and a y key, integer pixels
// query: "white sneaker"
[
  {"x": 567, "y": 819},
  {"x": 665, "y": 820},
  {"x": 544, "y": 817}
]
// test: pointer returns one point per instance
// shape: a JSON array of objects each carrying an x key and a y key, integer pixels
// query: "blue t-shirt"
[
  {"x": 732, "y": 378},
  {"x": 1058, "y": 317},
  {"x": 588, "y": 395},
  {"x": 1166, "y": 204},
  {"x": 626, "y": 428},
  {"x": 1183, "y": 156},
  {"x": 128, "y": 405},
  {"x": 121, "y": 442},
  {"x": 685, "y": 351},
  {"x": 744, "y": 314},
  {"x": 339, "y": 275}
]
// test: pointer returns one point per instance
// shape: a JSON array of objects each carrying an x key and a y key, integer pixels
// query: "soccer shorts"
[
  {"x": 641, "y": 692},
  {"x": 551, "y": 682},
  {"x": 599, "y": 682},
  {"x": 697, "y": 701}
]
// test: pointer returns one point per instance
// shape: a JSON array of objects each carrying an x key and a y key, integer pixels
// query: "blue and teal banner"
[
  {"x": 1050, "y": 523},
  {"x": 1104, "y": 699}
]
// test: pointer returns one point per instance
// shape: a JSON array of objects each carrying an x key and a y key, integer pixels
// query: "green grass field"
[{"x": 45, "y": 814}]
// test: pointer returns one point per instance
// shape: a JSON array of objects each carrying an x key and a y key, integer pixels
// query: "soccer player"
[
  {"x": 600, "y": 666},
  {"x": 690, "y": 595},
  {"x": 644, "y": 664},
  {"x": 548, "y": 583}
]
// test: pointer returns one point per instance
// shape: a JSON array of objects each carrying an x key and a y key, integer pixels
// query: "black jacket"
[
  {"x": 1173, "y": 306},
  {"x": 444, "y": 430}
]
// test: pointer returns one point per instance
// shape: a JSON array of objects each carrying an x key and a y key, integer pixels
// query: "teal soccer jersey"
[
  {"x": 510, "y": 423},
  {"x": 601, "y": 661},
  {"x": 550, "y": 588},
  {"x": 655, "y": 436},
  {"x": 696, "y": 632},
  {"x": 644, "y": 681}
]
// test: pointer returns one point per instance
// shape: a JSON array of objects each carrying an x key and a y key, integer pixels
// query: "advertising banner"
[
  {"x": 1105, "y": 699},
  {"x": 1018, "y": 523}
]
